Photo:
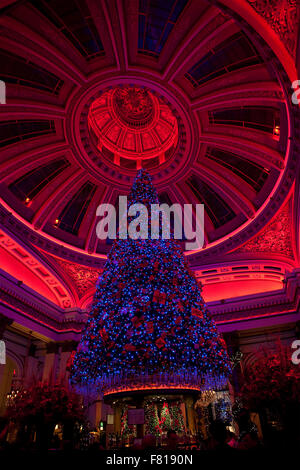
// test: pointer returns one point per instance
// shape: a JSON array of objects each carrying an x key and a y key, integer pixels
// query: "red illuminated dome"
[
  {"x": 194, "y": 91},
  {"x": 133, "y": 127}
]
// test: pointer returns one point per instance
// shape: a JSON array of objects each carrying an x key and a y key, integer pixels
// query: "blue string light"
[{"x": 148, "y": 323}]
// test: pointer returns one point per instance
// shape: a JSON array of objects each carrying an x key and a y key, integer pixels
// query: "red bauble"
[
  {"x": 160, "y": 342},
  {"x": 149, "y": 327},
  {"x": 137, "y": 321},
  {"x": 159, "y": 297},
  {"x": 103, "y": 335},
  {"x": 129, "y": 347},
  {"x": 156, "y": 266},
  {"x": 197, "y": 313}
]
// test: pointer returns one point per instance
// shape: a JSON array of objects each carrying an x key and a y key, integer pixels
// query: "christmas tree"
[
  {"x": 152, "y": 419},
  {"x": 177, "y": 417},
  {"x": 149, "y": 327},
  {"x": 165, "y": 421}
]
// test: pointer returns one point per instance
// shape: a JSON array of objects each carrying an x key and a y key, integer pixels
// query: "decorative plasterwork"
[
  {"x": 276, "y": 237},
  {"x": 241, "y": 271},
  {"x": 83, "y": 277},
  {"x": 86, "y": 153},
  {"x": 132, "y": 125},
  {"x": 283, "y": 16},
  {"x": 21, "y": 305},
  {"x": 16, "y": 303},
  {"x": 30, "y": 262},
  {"x": 259, "y": 306}
]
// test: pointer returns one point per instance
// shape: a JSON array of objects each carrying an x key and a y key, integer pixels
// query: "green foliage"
[
  {"x": 152, "y": 420},
  {"x": 177, "y": 418}
]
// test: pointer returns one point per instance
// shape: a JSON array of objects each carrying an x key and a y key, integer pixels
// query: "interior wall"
[{"x": 7, "y": 371}]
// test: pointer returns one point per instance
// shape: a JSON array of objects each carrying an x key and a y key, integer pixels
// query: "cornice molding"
[
  {"x": 283, "y": 17},
  {"x": 19, "y": 302}
]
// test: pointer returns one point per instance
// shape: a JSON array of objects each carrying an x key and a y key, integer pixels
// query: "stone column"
[
  {"x": 183, "y": 410},
  {"x": 117, "y": 418},
  {"x": 190, "y": 413},
  {"x": 30, "y": 366},
  {"x": 50, "y": 364},
  {"x": 140, "y": 427},
  {"x": 94, "y": 413}
]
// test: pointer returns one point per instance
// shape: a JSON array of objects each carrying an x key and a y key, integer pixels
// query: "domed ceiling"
[
  {"x": 96, "y": 90},
  {"x": 133, "y": 128}
]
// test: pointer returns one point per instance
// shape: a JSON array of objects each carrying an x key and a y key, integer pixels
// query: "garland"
[
  {"x": 171, "y": 418},
  {"x": 152, "y": 420},
  {"x": 177, "y": 418},
  {"x": 126, "y": 430}
]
